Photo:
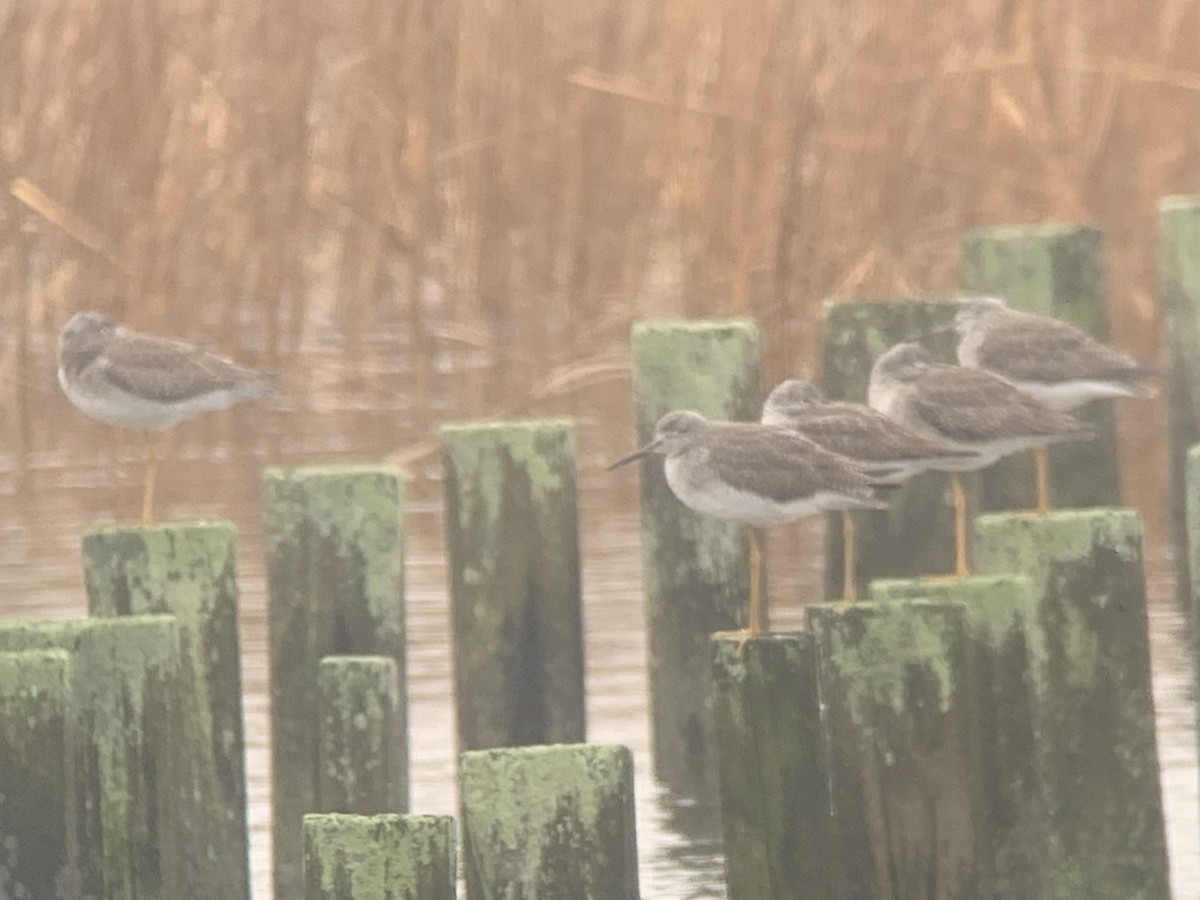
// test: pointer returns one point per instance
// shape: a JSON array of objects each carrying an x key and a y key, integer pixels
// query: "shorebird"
[
  {"x": 887, "y": 451},
  {"x": 966, "y": 409},
  {"x": 1055, "y": 362},
  {"x": 754, "y": 474},
  {"x": 145, "y": 382}
]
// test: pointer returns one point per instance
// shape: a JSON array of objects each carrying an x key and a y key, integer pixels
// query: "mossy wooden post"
[
  {"x": 902, "y": 749},
  {"x": 190, "y": 571},
  {"x": 915, "y": 534},
  {"x": 999, "y": 613},
  {"x": 1179, "y": 290},
  {"x": 1192, "y": 509},
  {"x": 512, "y": 532},
  {"x": 335, "y": 578},
  {"x": 129, "y": 696},
  {"x": 39, "y": 829},
  {"x": 1054, "y": 269},
  {"x": 696, "y": 568},
  {"x": 554, "y": 821},
  {"x": 1094, "y": 713},
  {"x": 362, "y": 746},
  {"x": 774, "y": 802},
  {"x": 381, "y": 857}
]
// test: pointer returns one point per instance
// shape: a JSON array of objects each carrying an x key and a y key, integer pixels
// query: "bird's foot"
[{"x": 743, "y": 636}]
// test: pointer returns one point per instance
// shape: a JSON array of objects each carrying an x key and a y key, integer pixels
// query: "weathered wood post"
[
  {"x": 335, "y": 575},
  {"x": 696, "y": 568},
  {"x": 129, "y": 696},
  {"x": 774, "y": 797},
  {"x": 914, "y": 534},
  {"x": 512, "y": 536},
  {"x": 383, "y": 857},
  {"x": 190, "y": 571},
  {"x": 1094, "y": 714},
  {"x": 1054, "y": 269},
  {"x": 553, "y": 821},
  {"x": 1179, "y": 290},
  {"x": 999, "y": 614},
  {"x": 1192, "y": 511},
  {"x": 902, "y": 748},
  {"x": 39, "y": 854},
  {"x": 362, "y": 746}
]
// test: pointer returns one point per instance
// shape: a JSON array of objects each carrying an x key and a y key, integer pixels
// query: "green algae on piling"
[
  {"x": 696, "y": 568},
  {"x": 190, "y": 571},
  {"x": 335, "y": 579}
]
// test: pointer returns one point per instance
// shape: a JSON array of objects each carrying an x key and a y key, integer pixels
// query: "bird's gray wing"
[
  {"x": 783, "y": 466},
  {"x": 170, "y": 371},
  {"x": 971, "y": 406},
  {"x": 1041, "y": 349}
]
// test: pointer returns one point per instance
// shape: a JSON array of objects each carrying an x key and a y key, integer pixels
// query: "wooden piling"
[
  {"x": 1179, "y": 292},
  {"x": 915, "y": 534},
  {"x": 382, "y": 857},
  {"x": 696, "y": 567},
  {"x": 513, "y": 546},
  {"x": 362, "y": 746},
  {"x": 999, "y": 613},
  {"x": 190, "y": 571},
  {"x": 774, "y": 797},
  {"x": 1192, "y": 588},
  {"x": 1094, "y": 714},
  {"x": 1054, "y": 269},
  {"x": 39, "y": 852},
  {"x": 902, "y": 752},
  {"x": 554, "y": 821},
  {"x": 128, "y": 697},
  {"x": 335, "y": 576}
]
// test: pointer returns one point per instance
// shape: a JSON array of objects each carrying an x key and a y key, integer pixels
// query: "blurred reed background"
[
  {"x": 530, "y": 176},
  {"x": 418, "y": 209}
]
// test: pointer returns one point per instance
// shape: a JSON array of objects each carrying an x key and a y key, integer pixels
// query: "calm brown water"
[{"x": 61, "y": 473}]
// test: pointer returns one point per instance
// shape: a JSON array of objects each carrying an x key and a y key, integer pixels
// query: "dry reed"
[{"x": 543, "y": 172}]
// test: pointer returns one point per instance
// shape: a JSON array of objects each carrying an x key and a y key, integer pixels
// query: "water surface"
[{"x": 61, "y": 473}]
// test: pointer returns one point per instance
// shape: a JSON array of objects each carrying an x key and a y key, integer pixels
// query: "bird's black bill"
[{"x": 637, "y": 454}]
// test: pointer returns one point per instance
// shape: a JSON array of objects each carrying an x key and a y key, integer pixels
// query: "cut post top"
[
  {"x": 65, "y": 633},
  {"x": 499, "y": 756},
  {"x": 538, "y": 773},
  {"x": 669, "y": 329},
  {"x": 212, "y": 529},
  {"x": 508, "y": 429},
  {"x": 305, "y": 474},
  {"x": 528, "y": 443},
  {"x": 1179, "y": 203},
  {"x": 1049, "y": 229},
  {"x": 710, "y": 366},
  {"x": 1067, "y": 532},
  {"x": 893, "y": 589}
]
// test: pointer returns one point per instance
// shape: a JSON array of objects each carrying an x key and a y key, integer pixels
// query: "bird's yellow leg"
[
  {"x": 755, "y": 625},
  {"x": 1040, "y": 468},
  {"x": 848, "y": 557},
  {"x": 960, "y": 526},
  {"x": 152, "y": 450}
]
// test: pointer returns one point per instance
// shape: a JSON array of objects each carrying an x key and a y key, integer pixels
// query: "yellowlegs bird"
[
  {"x": 753, "y": 474},
  {"x": 967, "y": 409},
  {"x": 1055, "y": 362},
  {"x": 145, "y": 382},
  {"x": 886, "y": 450}
]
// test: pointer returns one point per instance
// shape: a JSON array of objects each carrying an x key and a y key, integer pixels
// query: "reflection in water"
[{"x": 72, "y": 475}]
